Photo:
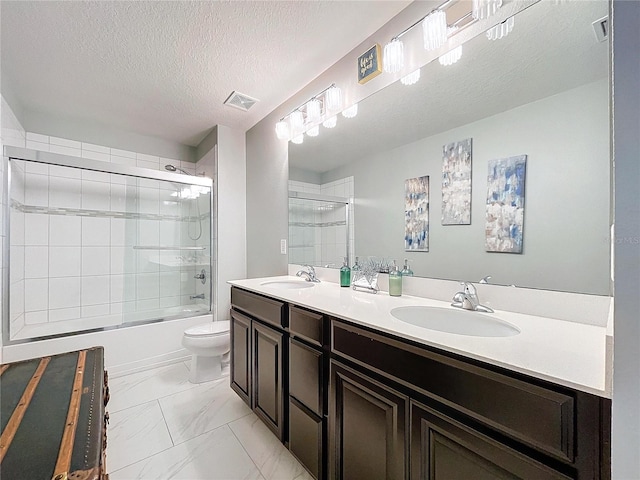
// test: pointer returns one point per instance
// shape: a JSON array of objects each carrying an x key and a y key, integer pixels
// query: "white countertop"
[{"x": 567, "y": 353}]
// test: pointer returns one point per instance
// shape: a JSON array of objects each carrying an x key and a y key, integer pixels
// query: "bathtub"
[{"x": 127, "y": 350}]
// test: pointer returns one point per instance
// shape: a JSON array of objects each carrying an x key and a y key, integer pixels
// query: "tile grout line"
[
  {"x": 164, "y": 419},
  {"x": 242, "y": 445}
]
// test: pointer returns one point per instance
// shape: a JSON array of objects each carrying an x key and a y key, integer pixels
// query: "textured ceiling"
[
  {"x": 552, "y": 49},
  {"x": 163, "y": 68}
]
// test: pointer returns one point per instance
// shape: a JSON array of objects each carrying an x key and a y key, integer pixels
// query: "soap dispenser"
[
  {"x": 406, "y": 271},
  {"x": 395, "y": 281},
  {"x": 356, "y": 266},
  {"x": 345, "y": 274}
]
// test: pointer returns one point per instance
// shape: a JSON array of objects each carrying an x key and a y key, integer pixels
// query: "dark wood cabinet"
[
  {"x": 445, "y": 449},
  {"x": 268, "y": 376},
  {"x": 259, "y": 356},
  {"x": 367, "y": 432},
  {"x": 241, "y": 356}
]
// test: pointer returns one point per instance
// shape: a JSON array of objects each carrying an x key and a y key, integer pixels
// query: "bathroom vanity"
[{"x": 356, "y": 394}]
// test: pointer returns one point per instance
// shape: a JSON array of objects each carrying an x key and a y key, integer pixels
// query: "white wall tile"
[
  {"x": 64, "y": 261},
  {"x": 36, "y": 190},
  {"x": 64, "y": 292},
  {"x": 149, "y": 165},
  {"x": 36, "y": 262},
  {"x": 95, "y": 176},
  {"x": 95, "y": 261},
  {"x": 14, "y": 142},
  {"x": 64, "y": 192},
  {"x": 17, "y": 224},
  {"x": 34, "y": 318},
  {"x": 43, "y": 147},
  {"x": 91, "y": 155},
  {"x": 123, "y": 288},
  {"x": 95, "y": 289},
  {"x": 149, "y": 232},
  {"x": 95, "y": 195},
  {"x": 36, "y": 137},
  {"x": 61, "y": 314},
  {"x": 123, "y": 153},
  {"x": 151, "y": 304},
  {"x": 65, "y": 231},
  {"x": 147, "y": 158},
  {"x": 36, "y": 229},
  {"x": 149, "y": 200},
  {"x": 16, "y": 300},
  {"x": 65, "y": 142},
  {"x": 118, "y": 160},
  {"x": 16, "y": 272},
  {"x": 35, "y": 167},
  {"x": 74, "y": 152},
  {"x": 95, "y": 148},
  {"x": 147, "y": 286},
  {"x": 169, "y": 284},
  {"x": 123, "y": 260},
  {"x": 95, "y": 310},
  {"x": 35, "y": 294},
  {"x": 96, "y": 231},
  {"x": 64, "y": 172}
]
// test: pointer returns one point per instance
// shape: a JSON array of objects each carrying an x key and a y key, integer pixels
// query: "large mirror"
[{"x": 542, "y": 91}]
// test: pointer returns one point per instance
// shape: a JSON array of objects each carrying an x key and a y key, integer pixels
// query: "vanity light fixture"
[
  {"x": 350, "y": 112},
  {"x": 501, "y": 30},
  {"x": 485, "y": 8},
  {"x": 330, "y": 122},
  {"x": 393, "y": 56},
  {"x": 434, "y": 30},
  {"x": 451, "y": 56},
  {"x": 309, "y": 115},
  {"x": 411, "y": 78}
]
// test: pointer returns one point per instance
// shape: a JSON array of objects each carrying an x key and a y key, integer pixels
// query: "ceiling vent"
[
  {"x": 601, "y": 29},
  {"x": 241, "y": 101}
]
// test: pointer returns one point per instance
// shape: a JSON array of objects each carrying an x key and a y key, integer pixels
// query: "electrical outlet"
[{"x": 283, "y": 246}]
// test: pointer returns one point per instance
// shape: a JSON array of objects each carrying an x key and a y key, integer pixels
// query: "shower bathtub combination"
[{"x": 97, "y": 253}]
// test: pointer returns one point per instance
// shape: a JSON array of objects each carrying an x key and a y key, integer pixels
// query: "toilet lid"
[{"x": 209, "y": 329}]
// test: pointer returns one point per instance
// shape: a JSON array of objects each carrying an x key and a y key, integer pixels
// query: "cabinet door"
[
  {"x": 268, "y": 388},
  {"x": 367, "y": 428},
  {"x": 444, "y": 449},
  {"x": 306, "y": 380},
  {"x": 241, "y": 356},
  {"x": 306, "y": 438}
]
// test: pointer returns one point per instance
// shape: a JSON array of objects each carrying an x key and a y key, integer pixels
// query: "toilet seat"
[{"x": 209, "y": 329}]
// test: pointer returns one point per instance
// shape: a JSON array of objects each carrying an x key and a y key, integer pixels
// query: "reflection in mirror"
[
  {"x": 320, "y": 225},
  {"x": 541, "y": 91}
]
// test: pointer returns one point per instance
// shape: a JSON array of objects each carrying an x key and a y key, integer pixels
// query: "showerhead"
[{"x": 173, "y": 168}]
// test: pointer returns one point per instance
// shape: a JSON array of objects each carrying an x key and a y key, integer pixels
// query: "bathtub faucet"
[{"x": 193, "y": 297}]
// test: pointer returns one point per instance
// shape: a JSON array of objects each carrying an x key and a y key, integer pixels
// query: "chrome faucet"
[
  {"x": 193, "y": 297},
  {"x": 309, "y": 274},
  {"x": 468, "y": 299}
]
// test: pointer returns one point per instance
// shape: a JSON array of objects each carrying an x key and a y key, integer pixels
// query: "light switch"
[{"x": 283, "y": 246}]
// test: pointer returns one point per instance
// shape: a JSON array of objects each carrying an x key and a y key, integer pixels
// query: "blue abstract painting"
[
  {"x": 456, "y": 183},
  {"x": 416, "y": 214},
  {"x": 504, "y": 227}
]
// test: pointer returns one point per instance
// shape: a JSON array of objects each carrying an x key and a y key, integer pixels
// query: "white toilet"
[{"x": 208, "y": 344}]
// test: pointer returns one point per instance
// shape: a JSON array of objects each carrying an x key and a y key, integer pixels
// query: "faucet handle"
[
  {"x": 469, "y": 288},
  {"x": 485, "y": 279}
]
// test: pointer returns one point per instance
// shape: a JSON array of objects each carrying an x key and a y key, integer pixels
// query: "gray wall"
[
  {"x": 626, "y": 371},
  {"x": 99, "y": 134},
  {"x": 566, "y": 138}
]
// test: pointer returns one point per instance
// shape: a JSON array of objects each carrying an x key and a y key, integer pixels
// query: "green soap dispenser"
[
  {"x": 406, "y": 271},
  {"x": 395, "y": 281},
  {"x": 345, "y": 274}
]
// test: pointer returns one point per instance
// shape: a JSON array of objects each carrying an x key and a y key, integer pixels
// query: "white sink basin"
[
  {"x": 451, "y": 320},
  {"x": 288, "y": 284}
]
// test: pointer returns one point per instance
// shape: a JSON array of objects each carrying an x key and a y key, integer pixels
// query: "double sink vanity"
[{"x": 362, "y": 386}]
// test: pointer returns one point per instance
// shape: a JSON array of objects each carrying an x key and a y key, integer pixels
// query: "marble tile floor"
[{"x": 163, "y": 427}]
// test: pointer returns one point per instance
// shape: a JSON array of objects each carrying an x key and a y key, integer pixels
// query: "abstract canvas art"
[
  {"x": 416, "y": 214},
  {"x": 456, "y": 183},
  {"x": 504, "y": 226}
]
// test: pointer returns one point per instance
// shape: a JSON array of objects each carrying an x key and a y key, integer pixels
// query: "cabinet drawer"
[
  {"x": 307, "y": 325},
  {"x": 305, "y": 375},
  {"x": 541, "y": 417},
  {"x": 306, "y": 438},
  {"x": 266, "y": 309}
]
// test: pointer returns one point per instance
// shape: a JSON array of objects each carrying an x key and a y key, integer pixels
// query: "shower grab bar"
[{"x": 165, "y": 247}]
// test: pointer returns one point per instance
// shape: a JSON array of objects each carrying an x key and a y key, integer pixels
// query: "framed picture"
[
  {"x": 416, "y": 214},
  {"x": 456, "y": 183},
  {"x": 504, "y": 224},
  {"x": 369, "y": 64}
]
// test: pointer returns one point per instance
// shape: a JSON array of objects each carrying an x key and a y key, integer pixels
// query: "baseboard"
[{"x": 170, "y": 358}]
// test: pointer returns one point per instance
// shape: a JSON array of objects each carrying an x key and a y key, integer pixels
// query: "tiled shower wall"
[
  {"x": 324, "y": 243},
  {"x": 86, "y": 272}
]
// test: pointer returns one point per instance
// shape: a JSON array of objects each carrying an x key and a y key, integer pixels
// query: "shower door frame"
[{"x": 17, "y": 153}]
